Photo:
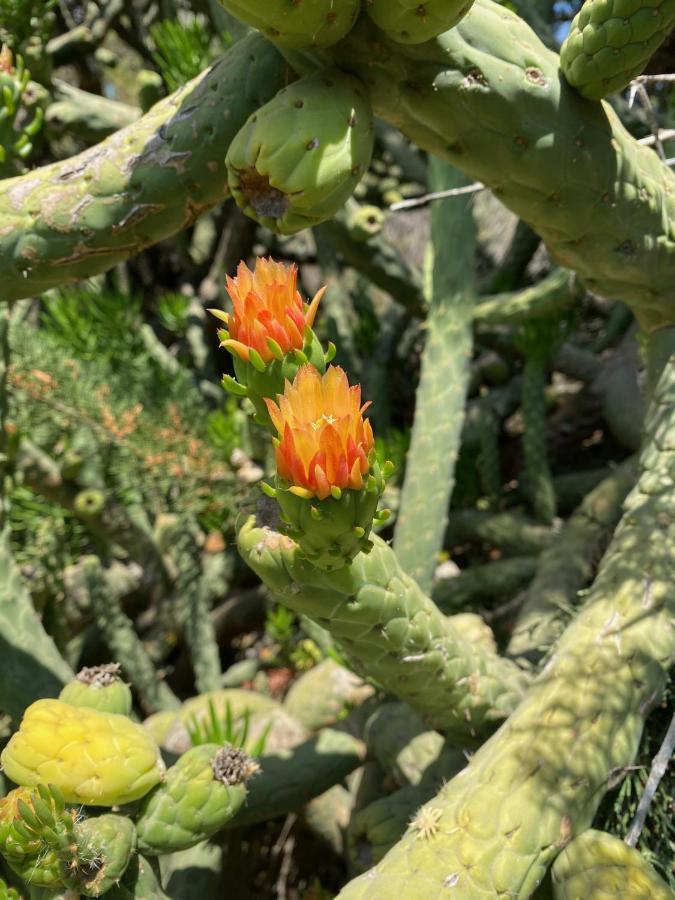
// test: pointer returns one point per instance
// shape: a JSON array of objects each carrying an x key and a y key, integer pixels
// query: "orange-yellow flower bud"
[
  {"x": 5, "y": 59},
  {"x": 324, "y": 441},
  {"x": 268, "y": 310}
]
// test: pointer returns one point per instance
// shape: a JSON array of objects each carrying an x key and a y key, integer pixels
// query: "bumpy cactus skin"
[
  {"x": 96, "y": 758},
  {"x": 598, "y": 865},
  {"x": 105, "y": 845},
  {"x": 297, "y": 23},
  {"x": 202, "y": 791},
  {"x": 25, "y": 853},
  {"x": 611, "y": 41},
  {"x": 298, "y": 159},
  {"x": 412, "y": 22},
  {"x": 143, "y": 184},
  {"x": 539, "y": 780},
  {"x": 100, "y": 688},
  {"x": 391, "y": 632}
]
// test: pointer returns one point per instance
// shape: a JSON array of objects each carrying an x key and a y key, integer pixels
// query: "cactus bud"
[
  {"x": 412, "y": 22},
  {"x": 99, "y": 687},
  {"x": 96, "y": 758},
  {"x": 201, "y": 793},
  {"x": 105, "y": 845},
  {"x": 294, "y": 24},
  {"x": 329, "y": 482},
  {"x": 298, "y": 159},
  {"x": 269, "y": 332}
]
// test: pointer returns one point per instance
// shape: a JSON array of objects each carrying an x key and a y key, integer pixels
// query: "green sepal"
[
  {"x": 233, "y": 387},
  {"x": 331, "y": 532}
]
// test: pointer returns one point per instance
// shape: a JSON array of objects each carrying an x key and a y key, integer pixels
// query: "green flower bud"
[{"x": 99, "y": 687}]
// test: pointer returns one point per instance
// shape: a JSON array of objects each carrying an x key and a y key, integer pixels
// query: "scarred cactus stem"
[
  {"x": 232, "y": 766},
  {"x": 233, "y": 387},
  {"x": 329, "y": 356}
]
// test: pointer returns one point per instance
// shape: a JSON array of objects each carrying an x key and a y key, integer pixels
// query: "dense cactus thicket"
[{"x": 380, "y": 602}]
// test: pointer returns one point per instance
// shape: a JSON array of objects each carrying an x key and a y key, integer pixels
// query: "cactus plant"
[
  {"x": 297, "y": 23},
  {"x": 411, "y": 22}
]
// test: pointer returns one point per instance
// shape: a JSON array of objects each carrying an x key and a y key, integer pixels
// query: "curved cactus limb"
[
  {"x": 512, "y": 533},
  {"x": 391, "y": 632},
  {"x": 488, "y": 97},
  {"x": 538, "y": 781},
  {"x": 323, "y": 696},
  {"x": 552, "y": 294},
  {"x": 600, "y": 865},
  {"x": 444, "y": 379},
  {"x": 146, "y": 182},
  {"x": 498, "y": 579},
  {"x": 566, "y": 566}
]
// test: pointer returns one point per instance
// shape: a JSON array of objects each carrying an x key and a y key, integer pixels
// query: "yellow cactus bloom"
[{"x": 95, "y": 758}]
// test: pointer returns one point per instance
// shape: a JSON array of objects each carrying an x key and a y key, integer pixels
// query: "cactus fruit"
[
  {"x": 99, "y": 687},
  {"x": 391, "y": 632},
  {"x": 329, "y": 481},
  {"x": 598, "y": 865},
  {"x": 269, "y": 334},
  {"x": 105, "y": 846},
  {"x": 96, "y": 758},
  {"x": 412, "y": 22},
  {"x": 611, "y": 41},
  {"x": 297, "y": 23},
  {"x": 298, "y": 159},
  {"x": 201, "y": 792}
]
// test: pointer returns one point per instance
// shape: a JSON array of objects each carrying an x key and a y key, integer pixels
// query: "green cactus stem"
[
  {"x": 119, "y": 634},
  {"x": 193, "y": 873},
  {"x": 390, "y": 631},
  {"x": 141, "y": 880},
  {"x": 610, "y": 43},
  {"x": 552, "y": 295},
  {"x": 578, "y": 726},
  {"x": 376, "y": 259},
  {"x": 600, "y": 865},
  {"x": 441, "y": 394},
  {"x": 145, "y": 183},
  {"x": 325, "y": 694},
  {"x": 566, "y": 167},
  {"x": 511, "y": 271},
  {"x": 494, "y": 580},
  {"x": 31, "y": 665},
  {"x": 297, "y": 159},
  {"x": 512, "y": 533},
  {"x": 566, "y": 566},
  {"x": 88, "y": 117},
  {"x": 291, "y": 777}
]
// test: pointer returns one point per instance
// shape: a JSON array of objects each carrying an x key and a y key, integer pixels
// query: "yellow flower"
[
  {"x": 268, "y": 310},
  {"x": 324, "y": 441}
]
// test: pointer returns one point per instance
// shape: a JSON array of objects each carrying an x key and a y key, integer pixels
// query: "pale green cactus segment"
[
  {"x": 412, "y": 21},
  {"x": 105, "y": 846},
  {"x": 611, "y": 41},
  {"x": 376, "y": 828},
  {"x": 96, "y": 758},
  {"x": 600, "y": 866},
  {"x": 567, "y": 167},
  {"x": 391, "y": 632},
  {"x": 298, "y": 159},
  {"x": 297, "y": 23},
  {"x": 444, "y": 379},
  {"x": 200, "y": 794},
  {"x": 325, "y": 694},
  {"x": 101, "y": 688},
  {"x": 80, "y": 216},
  {"x": 579, "y": 724},
  {"x": 331, "y": 532}
]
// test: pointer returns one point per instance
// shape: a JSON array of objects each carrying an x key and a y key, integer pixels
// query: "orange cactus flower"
[
  {"x": 269, "y": 313},
  {"x": 324, "y": 441}
]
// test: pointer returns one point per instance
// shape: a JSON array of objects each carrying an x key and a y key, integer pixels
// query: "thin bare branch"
[{"x": 656, "y": 773}]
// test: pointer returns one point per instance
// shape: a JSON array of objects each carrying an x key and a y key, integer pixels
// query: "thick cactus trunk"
[{"x": 537, "y": 783}]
